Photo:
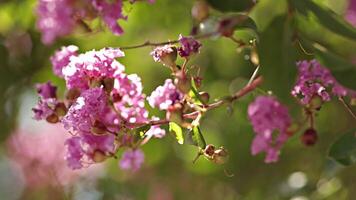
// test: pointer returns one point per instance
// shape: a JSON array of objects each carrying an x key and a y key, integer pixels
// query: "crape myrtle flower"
[
  {"x": 350, "y": 14},
  {"x": 40, "y": 156},
  {"x": 316, "y": 80},
  {"x": 270, "y": 120},
  {"x": 110, "y": 11},
  {"x": 58, "y": 18},
  {"x": 46, "y": 90},
  {"x": 55, "y": 19},
  {"x": 88, "y": 148},
  {"x": 164, "y": 96},
  {"x": 166, "y": 55},
  {"x": 132, "y": 160},
  {"x": 47, "y": 105},
  {"x": 189, "y": 46},
  {"x": 88, "y": 108},
  {"x": 61, "y": 58},
  {"x": 128, "y": 98},
  {"x": 92, "y": 66}
]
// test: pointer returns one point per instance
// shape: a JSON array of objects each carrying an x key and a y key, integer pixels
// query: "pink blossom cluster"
[
  {"x": 103, "y": 104},
  {"x": 189, "y": 46},
  {"x": 47, "y": 104},
  {"x": 350, "y": 14},
  {"x": 40, "y": 156},
  {"x": 165, "y": 96},
  {"x": 58, "y": 18},
  {"x": 270, "y": 120},
  {"x": 316, "y": 80}
]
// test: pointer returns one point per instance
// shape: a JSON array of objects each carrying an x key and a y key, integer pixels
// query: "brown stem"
[
  {"x": 248, "y": 88},
  {"x": 148, "y": 43}
]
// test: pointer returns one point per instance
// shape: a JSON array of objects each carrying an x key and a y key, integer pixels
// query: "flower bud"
[
  {"x": 226, "y": 27},
  {"x": 200, "y": 10},
  {"x": 175, "y": 113},
  {"x": 315, "y": 103},
  {"x": 254, "y": 58},
  {"x": 198, "y": 81},
  {"x": 209, "y": 150},
  {"x": 204, "y": 96},
  {"x": 309, "y": 137},
  {"x": 53, "y": 118},
  {"x": 116, "y": 97},
  {"x": 220, "y": 156},
  {"x": 98, "y": 156},
  {"x": 98, "y": 128},
  {"x": 108, "y": 84},
  {"x": 61, "y": 109},
  {"x": 182, "y": 82},
  {"x": 73, "y": 94}
]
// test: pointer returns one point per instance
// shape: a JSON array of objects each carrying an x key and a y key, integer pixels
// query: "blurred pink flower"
[
  {"x": 267, "y": 116},
  {"x": 40, "y": 155}
]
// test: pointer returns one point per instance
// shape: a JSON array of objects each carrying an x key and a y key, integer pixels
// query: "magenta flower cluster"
[
  {"x": 316, "y": 80},
  {"x": 165, "y": 96},
  {"x": 58, "y": 18},
  {"x": 270, "y": 120},
  {"x": 102, "y": 105}
]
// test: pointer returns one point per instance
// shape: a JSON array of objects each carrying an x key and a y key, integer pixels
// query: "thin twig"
[
  {"x": 253, "y": 75},
  {"x": 348, "y": 108},
  {"x": 154, "y": 44}
]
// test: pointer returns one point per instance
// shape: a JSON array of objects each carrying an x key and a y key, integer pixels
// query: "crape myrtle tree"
[{"x": 105, "y": 111}]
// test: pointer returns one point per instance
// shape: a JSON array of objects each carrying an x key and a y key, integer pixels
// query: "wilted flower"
[
  {"x": 166, "y": 54},
  {"x": 189, "y": 46}
]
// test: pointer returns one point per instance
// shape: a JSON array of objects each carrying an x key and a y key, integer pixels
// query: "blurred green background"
[{"x": 168, "y": 173}]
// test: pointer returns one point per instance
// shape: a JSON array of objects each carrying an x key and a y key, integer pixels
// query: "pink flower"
[
  {"x": 61, "y": 58},
  {"x": 166, "y": 54},
  {"x": 85, "y": 149},
  {"x": 164, "y": 96},
  {"x": 40, "y": 155},
  {"x": 88, "y": 108},
  {"x": 110, "y": 12},
  {"x": 92, "y": 66},
  {"x": 44, "y": 108},
  {"x": 132, "y": 160},
  {"x": 189, "y": 46},
  {"x": 268, "y": 116},
  {"x": 128, "y": 98},
  {"x": 316, "y": 80},
  {"x": 350, "y": 14},
  {"x": 46, "y": 90},
  {"x": 55, "y": 19}
]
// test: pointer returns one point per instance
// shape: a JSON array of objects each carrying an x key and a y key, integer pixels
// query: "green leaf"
[
  {"x": 177, "y": 130},
  {"x": 326, "y": 17},
  {"x": 197, "y": 137},
  {"x": 142, "y": 130},
  {"x": 231, "y": 5},
  {"x": 344, "y": 149},
  {"x": 277, "y": 57}
]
